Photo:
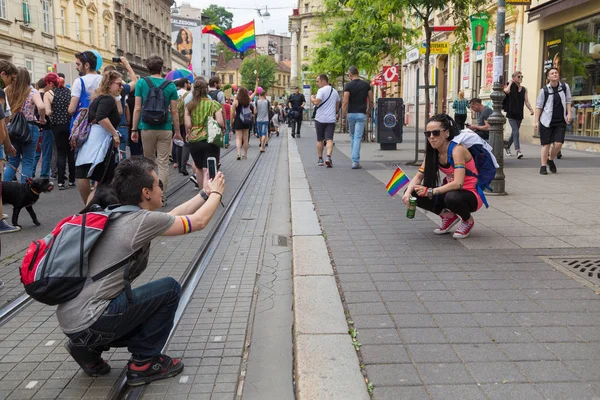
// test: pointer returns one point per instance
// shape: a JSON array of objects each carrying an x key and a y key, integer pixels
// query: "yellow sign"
[
  {"x": 519, "y": 2},
  {"x": 436, "y": 48}
]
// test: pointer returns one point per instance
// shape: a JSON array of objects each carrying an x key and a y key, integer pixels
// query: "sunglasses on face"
[
  {"x": 435, "y": 133},
  {"x": 160, "y": 185},
  {"x": 520, "y": 76},
  {"x": 119, "y": 83}
]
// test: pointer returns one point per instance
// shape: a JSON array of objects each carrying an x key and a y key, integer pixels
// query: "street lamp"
[
  {"x": 263, "y": 14},
  {"x": 497, "y": 120}
]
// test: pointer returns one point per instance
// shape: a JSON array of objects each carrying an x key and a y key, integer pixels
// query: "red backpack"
[{"x": 55, "y": 268}]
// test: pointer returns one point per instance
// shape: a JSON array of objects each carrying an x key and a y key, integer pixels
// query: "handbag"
[
  {"x": 320, "y": 105},
  {"x": 18, "y": 129},
  {"x": 215, "y": 133}
]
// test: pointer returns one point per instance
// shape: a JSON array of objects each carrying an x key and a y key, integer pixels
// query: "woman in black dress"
[{"x": 241, "y": 104}]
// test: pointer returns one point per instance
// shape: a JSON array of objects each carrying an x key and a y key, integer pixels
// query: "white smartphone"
[{"x": 212, "y": 167}]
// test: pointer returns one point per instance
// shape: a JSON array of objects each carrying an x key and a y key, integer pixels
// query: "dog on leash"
[{"x": 24, "y": 195}]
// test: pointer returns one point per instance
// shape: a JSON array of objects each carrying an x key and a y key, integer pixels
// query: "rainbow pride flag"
[
  {"x": 240, "y": 38},
  {"x": 398, "y": 181}
]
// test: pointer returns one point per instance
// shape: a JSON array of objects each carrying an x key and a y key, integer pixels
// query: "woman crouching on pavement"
[
  {"x": 457, "y": 197},
  {"x": 108, "y": 313}
]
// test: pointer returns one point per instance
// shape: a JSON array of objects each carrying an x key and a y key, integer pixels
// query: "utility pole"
[{"x": 497, "y": 120}]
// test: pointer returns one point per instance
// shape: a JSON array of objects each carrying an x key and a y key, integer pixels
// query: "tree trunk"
[{"x": 426, "y": 68}]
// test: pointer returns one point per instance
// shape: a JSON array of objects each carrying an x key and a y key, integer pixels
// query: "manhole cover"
[
  {"x": 395, "y": 163},
  {"x": 279, "y": 240},
  {"x": 585, "y": 269}
]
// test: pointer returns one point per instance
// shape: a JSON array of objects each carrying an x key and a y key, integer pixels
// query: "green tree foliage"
[
  {"x": 219, "y": 16},
  {"x": 266, "y": 72},
  {"x": 227, "y": 53}
]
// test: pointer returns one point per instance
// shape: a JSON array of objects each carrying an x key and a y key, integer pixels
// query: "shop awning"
[{"x": 552, "y": 7}]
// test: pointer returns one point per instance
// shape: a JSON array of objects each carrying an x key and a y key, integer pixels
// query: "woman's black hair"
[
  {"x": 432, "y": 179},
  {"x": 104, "y": 196}
]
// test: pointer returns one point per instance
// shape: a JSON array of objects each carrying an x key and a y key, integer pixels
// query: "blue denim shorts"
[
  {"x": 262, "y": 128},
  {"x": 2, "y": 152}
]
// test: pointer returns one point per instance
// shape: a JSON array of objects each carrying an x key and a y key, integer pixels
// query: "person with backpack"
[
  {"x": 552, "y": 114},
  {"x": 262, "y": 119},
  {"x": 517, "y": 98},
  {"x": 104, "y": 311},
  {"x": 214, "y": 89},
  {"x": 242, "y": 112},
  {"x": 83, "y": 87},
  {"x": 97, "y": 156},
  {"x": 56, "y": 102},
  {"x": 155, "y": 115},
  {"x": 24, "y": 101},
  {"x": 459, "y": 195}
]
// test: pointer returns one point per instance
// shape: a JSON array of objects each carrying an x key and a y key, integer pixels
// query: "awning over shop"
[{"x": 552, "y": 7}]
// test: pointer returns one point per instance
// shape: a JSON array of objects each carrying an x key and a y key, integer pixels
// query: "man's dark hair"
[
  {"x": 61, "y": 75},
  {"x": 213, "y": 81},
  {"x": 324, "y": 77},
  {"x": 475, "y": 100},
  {"x": 154, "y": 63},
  {"x": 41, "y": 84},
  {"x": 87, "y": 57},
  {"x": 180, "y": 83},
  {"x": 7, "y": 67},
  {"x": 353, "y": 70},
  {"x": 131, "y": 176},
  {"x": 550, "y": 69}
]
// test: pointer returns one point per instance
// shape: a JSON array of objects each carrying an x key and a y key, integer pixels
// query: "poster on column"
[
  {"x": 489, "y": 70},
  {"x": 466, "y": 67}
]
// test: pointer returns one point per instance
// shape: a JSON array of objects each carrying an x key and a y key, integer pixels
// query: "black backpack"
[
  {"x": 155, "y": 110},
  {"x": 214, "y": 94},
  {"x": 562, "y": 86}
]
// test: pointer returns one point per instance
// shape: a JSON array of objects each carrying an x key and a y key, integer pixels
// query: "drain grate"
[
  {"x": 279, "y": 240},
  {"x": 585, "y": 269}
]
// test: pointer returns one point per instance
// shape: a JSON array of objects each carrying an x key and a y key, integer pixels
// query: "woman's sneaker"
[
  {"x": 146, "y": 371},
  {"x": 448, "y": 222},
  {"x": 464, "y": 230},
  {"x": 61, "y": 186},
  {"x": 5, "y": 227}
]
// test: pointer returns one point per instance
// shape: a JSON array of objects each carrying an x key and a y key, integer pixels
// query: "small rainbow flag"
[
  {"x": 240, "y": 38},
  {"x": 398, "y": 181}
]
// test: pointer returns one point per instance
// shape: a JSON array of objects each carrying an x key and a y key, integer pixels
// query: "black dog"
[{"x": 24, "y": 195}]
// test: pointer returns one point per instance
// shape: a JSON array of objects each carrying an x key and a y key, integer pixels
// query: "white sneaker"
[
  {"x": 508, "y": 153},
  {"x": 519, "y": 154}
]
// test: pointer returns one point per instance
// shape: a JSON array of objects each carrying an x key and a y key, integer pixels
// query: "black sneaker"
[
  {"x": 328, "y": 162},
  {"x": 160, "y": 367},
  {"x": 89, "y": 360},
  {"x": 293, "y": 135},
  {"x": 559, "y": 155},
  {"x": 61, "y": 186},
  {"x": 543, "y": 170},
  {"x": 184, "y": 172},
  {"x": 552, "y": 166}
]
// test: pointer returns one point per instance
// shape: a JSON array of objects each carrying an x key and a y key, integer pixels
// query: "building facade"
[
  {"x": 277, "y": 46},
  {"x": 305, "y": 25},
  {"x": 187, "y": 23},
  {"x": 566, "y": 35},
  {"x": 27, "y": 35},
  {"x": 142, "y": 28}
]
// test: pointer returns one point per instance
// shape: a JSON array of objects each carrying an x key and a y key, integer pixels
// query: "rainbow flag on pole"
[
  {"x": 398, "y": 181},
  {"x": 240, "y": 38}
]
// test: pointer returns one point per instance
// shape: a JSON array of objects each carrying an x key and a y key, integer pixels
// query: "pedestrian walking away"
[
  {"x": 182, "y": 150},
  {"x": 214, "y": 90},
  {"x": 107, "y": 312},
  {"x": 483, "y": 127},
  {"x": 460, "y": 107},
  {"x": 155, "y": 116},
  {"x": 262, "y": 119},
  {"x": 24, "y": 101},
  {"x": 356, "y": 108},
  {"x": 97, "y": 156},
  {"x": 46, "y": 140},
  {"x": 8, "y": 74},
  {"x": 327, "y": 107},
  {"x": 241, "y": 119},
  {"x": 516, "y": 99},
  {"x": 457, "y": 197},
  {"x": 296, "y": 103},
  {"x": 552, "y": 114},
  {"x": 197, "y": 112},
  {"x": 56, "y": 102}
]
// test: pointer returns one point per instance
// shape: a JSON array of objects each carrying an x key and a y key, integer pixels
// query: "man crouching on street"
[{"x": 108, "y": 313}]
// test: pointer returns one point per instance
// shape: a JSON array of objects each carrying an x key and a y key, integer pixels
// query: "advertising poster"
[
  {"x": 554, "y": 49},
  {"x": 187, "y": 38},
  {"x": 479, "y": 29},
  {"x": 489, "y": 70}
]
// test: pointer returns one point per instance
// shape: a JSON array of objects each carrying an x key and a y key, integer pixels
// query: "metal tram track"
[
  {"x": 190, "y": 280},
  {"x": 21, "y": 302}
]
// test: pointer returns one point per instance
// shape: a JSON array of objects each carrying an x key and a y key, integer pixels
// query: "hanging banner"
[
  {"x": 465, "y": 69},
  {"x": 489, "y": 70},
  {"x": 518, "y": 2},
  {"x": 390, "y": 73},
  {"x": 479, "y": 29}
]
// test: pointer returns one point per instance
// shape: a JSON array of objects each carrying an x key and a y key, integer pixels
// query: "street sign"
[
  {"x": 390, "y": 73},
  {"x": 436, "y": 48},
  {"x": 518, "y": 2},
  {"x": 444, "y": 28}
]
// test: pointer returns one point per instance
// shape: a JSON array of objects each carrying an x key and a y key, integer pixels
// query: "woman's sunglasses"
[
  {"x": 160, "y": 185},
  {"x": 435, "y": 133}
]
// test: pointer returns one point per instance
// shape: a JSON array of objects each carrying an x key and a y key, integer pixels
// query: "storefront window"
[{"x": 574, "y": 49}]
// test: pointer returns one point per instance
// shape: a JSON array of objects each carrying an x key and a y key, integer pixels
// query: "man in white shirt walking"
[{"x": 327, "y": 102}]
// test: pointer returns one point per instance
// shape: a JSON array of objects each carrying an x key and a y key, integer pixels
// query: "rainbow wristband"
[{"x": 187, "y": 225}]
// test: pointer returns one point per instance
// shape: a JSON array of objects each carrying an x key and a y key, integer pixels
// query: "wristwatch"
[
  {"x": 430, "y": 193},
  {"x": 203, "y": 194}
]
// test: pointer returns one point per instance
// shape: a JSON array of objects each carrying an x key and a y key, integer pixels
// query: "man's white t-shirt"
[
  {"x": 326, "y": 111},
  {"x": 91, "y": 82}
]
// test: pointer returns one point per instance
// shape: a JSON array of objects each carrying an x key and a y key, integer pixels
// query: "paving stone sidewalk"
[
  {"x": 33, "y": 361},
  {"x": 438, "y": 320}
]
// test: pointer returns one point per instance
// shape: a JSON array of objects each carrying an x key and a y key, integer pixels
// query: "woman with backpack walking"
[
  {"x": 241, "y": 120},
  {"x": 97, "y": 156},
  {"x": 56, "y": 102},
  {"x": 457, "y": 197},
  {"x": 197, "y": 112},
  {"x": 24, "y": 99}
]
